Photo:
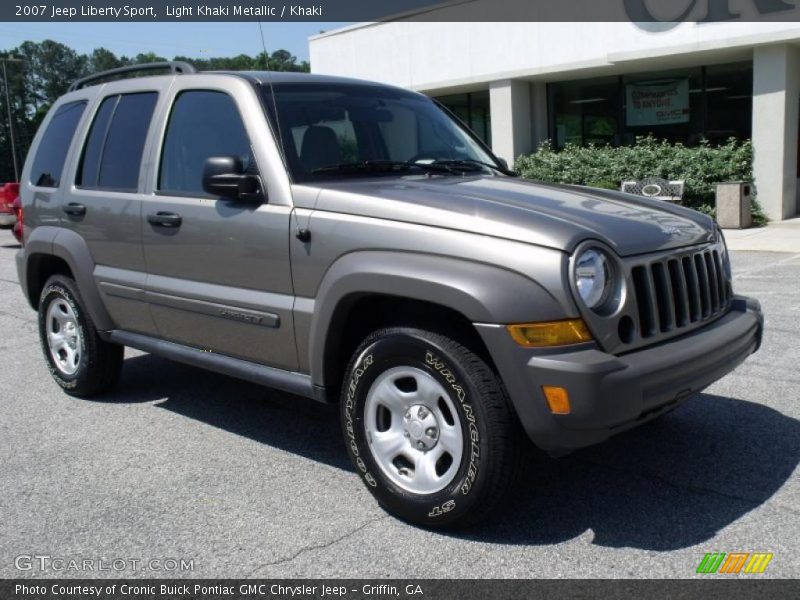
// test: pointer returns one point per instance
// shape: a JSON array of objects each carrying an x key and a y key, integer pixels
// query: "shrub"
[{"x": 700, "y": 167}]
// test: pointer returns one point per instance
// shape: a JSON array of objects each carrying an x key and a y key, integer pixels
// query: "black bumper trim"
[{"x": 608, "y": 393}]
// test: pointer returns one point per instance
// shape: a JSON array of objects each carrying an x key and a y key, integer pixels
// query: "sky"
[{"x": 194, "y": 40}]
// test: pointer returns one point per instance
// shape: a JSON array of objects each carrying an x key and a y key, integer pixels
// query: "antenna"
[
  {"x": 263, "y": 46},
  {"x": 302, "y": 234},
  {"x": 271, "y": 88}
]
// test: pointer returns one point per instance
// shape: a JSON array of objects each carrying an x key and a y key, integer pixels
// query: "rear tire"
[
  {"x": 79, "y": 360},
  {"x": 429, "y": 428}
]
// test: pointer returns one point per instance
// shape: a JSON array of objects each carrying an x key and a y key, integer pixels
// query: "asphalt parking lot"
[{"x": 245, "y": 482}]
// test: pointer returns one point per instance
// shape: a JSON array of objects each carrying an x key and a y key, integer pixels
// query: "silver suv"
[{"x": 354, "y": 242}]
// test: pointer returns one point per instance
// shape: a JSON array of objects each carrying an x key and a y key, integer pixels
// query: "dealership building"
[{"x": 518, "y": 84}]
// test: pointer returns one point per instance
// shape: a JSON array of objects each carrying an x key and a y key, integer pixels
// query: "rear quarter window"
[{"x": 48, "y": 164}]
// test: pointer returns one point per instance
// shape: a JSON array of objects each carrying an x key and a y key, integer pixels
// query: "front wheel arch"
[
  {"x": 359, "y": 315},
  {"x": 467, "y": 291}
]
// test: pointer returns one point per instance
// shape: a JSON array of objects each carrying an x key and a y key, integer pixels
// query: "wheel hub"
[
  {"x": 72, "y": 336},
  {"x": 421, "y": 427},
  {"x": 413, "y": 429},
  {"x": 63, "y": 336}
]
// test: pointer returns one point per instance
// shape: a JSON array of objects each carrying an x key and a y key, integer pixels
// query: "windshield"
[{"x": 335, "y": 130}]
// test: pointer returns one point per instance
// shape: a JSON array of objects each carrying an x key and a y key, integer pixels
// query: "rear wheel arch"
[
  {"x": 39, "y": 269},
  {"x": 55, "y": 250}
]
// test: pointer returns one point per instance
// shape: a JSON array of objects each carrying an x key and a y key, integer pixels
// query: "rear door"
[
  {"x": 219, "y": 274},
  {"x": 104, "y": 204}
]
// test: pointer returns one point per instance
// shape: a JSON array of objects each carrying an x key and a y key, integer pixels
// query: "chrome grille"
[{"x": 678, "y": 291}]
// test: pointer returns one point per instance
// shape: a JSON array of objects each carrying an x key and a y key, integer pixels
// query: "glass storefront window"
[
  {"x": 684, "y": 105},
  {"x": 584, "y": 112},
  {"x": 729, "y": 101},
  {"x": 667, "y": 104},
  {"x": 473, "y": 109}
]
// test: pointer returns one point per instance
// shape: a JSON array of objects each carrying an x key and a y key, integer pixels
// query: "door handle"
[
  {"x": 165, "y": 219},
  {"x": 74, "y": 209}
]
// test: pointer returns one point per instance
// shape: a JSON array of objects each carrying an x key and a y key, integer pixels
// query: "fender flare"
[
  {"x": 482, "y": 293},
  {"x": 73, "y": 250}
]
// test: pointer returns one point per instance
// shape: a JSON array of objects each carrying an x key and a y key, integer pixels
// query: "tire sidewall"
[
  {"x": 56, "y": 289},
  {"x": 412, "y": 348}
]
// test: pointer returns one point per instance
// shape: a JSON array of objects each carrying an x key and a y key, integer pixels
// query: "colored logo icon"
[{"x": 734, "y": 562}]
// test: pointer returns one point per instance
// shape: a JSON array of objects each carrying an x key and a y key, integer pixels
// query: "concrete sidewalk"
[{"x": 780, "y": 236}]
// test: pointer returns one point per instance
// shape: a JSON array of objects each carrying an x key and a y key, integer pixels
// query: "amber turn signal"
[
  {"x": 553, "y": 333},
  {"x": 557, "y": 399}
]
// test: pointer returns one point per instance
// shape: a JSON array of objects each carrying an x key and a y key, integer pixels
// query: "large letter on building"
[{"x": 718, "y": 10}]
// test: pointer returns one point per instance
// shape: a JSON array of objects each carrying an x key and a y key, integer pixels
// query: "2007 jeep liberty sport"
[{"x": 353, "y": 242}]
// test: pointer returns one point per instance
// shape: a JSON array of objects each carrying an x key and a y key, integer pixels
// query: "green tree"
[
  {"x": 280, "y": 60},
  {"x": 50, "y": 68},
  {"x": 102, "y": 60},
  {"x": 147, "y": 57},
  {"x": 20, "y": 102}
]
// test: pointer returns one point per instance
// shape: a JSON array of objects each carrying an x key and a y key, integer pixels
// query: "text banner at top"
[{"x": 655, "y": 15}]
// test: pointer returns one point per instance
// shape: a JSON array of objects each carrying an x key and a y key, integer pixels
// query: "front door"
[{"x": 219, "y": 277}]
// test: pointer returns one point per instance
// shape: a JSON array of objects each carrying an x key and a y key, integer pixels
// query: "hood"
[{"x": 554, "y": 216}]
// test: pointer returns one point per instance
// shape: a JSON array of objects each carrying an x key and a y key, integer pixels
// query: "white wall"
[
  {"x": 436, "y": 56},
  {"x": 776, "y": 103},
  {"x": 510, "y": 105},
  {"x": 513, "y": 60}
]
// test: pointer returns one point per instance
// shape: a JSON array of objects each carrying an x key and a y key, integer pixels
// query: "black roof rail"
[{"x": 176, "y": 67}]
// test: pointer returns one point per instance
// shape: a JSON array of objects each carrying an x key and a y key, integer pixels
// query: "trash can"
[{"x": 733, "y": 204}]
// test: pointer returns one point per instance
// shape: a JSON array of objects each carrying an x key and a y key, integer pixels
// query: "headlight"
[{"x": 593, "y": 278}]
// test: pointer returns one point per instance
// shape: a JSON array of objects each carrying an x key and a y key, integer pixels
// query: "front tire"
[
  {"x": 429, "y": 428},
  {"x": 78, "y": 359}
]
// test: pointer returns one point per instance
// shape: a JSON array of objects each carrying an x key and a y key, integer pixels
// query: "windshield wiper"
[
  {"x": 467, "y": 163},
  {"x": 457, "y": 167},
  {"x": 366, "y": 165}
]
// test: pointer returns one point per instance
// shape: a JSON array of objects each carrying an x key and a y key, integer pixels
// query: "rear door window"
[
  {"x": 112, "y": 156},
  {"x": 52, "y": 151},
  {"x": 90, "y": 162}
]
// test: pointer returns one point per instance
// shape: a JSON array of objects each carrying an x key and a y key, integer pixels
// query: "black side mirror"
[
  {"x": 225, "y": 177},
  {"x": 503, "y": 163}
]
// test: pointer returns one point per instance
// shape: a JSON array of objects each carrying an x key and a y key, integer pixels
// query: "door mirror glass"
[{"x": 225, "y": 177}]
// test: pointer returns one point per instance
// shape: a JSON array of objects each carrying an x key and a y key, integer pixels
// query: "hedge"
[{"x": 700, "y": 167}]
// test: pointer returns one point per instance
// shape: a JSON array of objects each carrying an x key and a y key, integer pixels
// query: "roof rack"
[{"x": 176, "y": 67}]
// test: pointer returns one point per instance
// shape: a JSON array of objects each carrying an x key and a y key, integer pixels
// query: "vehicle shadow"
[
  {"x": 669, "y": 484},
  {"x": 270, "y": 417}
]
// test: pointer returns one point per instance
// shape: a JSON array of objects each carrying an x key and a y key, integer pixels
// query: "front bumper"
[{"x": 610, "y": 394}]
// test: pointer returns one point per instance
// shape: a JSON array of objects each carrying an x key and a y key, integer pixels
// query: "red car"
[{"x": 8, "y": 193}]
